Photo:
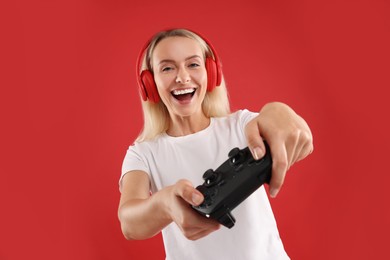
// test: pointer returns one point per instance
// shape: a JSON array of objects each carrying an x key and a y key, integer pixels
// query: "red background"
[{"x": 69, "y": 108}]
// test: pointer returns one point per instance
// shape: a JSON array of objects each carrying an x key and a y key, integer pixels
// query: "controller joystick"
[
  {"x": 210, "y": 177},
  {"x": 234, "y": 152},
  {"x": 236, "y": 156},
  {"x": 231, "y": 183}
]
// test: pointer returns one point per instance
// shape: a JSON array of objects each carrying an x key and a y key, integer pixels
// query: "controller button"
[
  {"x": 207, "y": 202},
  {"x": 234, "y": 152},
  {"x": 211, "y": 193},
  {"x": 208, "y": 174}
]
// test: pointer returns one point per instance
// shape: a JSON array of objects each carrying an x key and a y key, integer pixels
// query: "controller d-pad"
[{"x": 209, "y": 196}]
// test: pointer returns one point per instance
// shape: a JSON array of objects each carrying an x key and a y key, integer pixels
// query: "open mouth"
[{"x": 183, "y": 94}]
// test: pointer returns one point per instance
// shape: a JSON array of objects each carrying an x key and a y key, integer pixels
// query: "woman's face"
[{"x": 180, "y": 75}]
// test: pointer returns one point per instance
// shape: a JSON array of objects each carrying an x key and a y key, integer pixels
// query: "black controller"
[{"x": 231, "y": 183}]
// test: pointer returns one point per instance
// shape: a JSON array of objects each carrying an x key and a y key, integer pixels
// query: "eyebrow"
[{"x": 188, "y": 58}]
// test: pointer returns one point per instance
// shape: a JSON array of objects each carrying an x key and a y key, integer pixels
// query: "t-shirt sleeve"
[
  {"x": 134, "y": 160},
  {"x": 244, "y": 116}
]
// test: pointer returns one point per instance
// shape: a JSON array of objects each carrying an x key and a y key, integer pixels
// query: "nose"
[{"x": 183, "y": 76}]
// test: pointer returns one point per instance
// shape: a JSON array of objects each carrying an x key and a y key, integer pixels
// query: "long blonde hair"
[{"x": 156, "y": 115}]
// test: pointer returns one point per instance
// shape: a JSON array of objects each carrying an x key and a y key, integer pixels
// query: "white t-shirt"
[{"x": 168, "y": 159}]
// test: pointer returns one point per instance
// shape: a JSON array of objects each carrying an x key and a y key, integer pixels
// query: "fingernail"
[
  {"x": 273, "y": 192},
  {"x": 258, "y": 153},
  {"x": 196, "y": 198}
]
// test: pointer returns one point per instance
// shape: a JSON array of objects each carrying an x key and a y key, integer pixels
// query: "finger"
[
  {"x": 293, "y": 146},
  {"x": 185, "y": 190},
  {"x": 300, "y": 153},
  {"x": 305, "y": 149},
  {"x": 254, "y": 140},
  {"x": 279, "y": 168},
  {"x": 297, "y": 154},
  {"x": 308, "y": 147}
]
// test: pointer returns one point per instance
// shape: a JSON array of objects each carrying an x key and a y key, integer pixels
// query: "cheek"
[
  {"x": 202, "y": 78},
  {"x": 161, "y": 82},
  {"x": 160, "y": 87}
]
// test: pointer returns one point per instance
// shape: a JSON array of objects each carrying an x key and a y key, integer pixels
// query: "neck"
[{"x": 182, "y": 126}]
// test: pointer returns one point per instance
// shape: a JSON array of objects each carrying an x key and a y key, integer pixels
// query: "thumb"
[
  {"x": 254, "y": 140},
  {"x": 187, "y": 192}
]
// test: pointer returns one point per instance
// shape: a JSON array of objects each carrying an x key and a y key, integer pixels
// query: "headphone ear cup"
[
  {"x": 211, "y": 68},
  {"x": 148, "y": 87},
  {"x": 141, "y": 85},
  {"x": 219, "y": 73}
]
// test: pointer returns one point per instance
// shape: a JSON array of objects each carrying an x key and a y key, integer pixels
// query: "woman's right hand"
[
  {"x": 179, "y": 198},
  {"x": 142, "y": 216}
]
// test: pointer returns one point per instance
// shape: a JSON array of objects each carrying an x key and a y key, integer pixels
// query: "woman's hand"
[
  {"x": 142, "y": 216},
  {"x": 192, "y": 224},
  {"x": 288, "y": 136}
]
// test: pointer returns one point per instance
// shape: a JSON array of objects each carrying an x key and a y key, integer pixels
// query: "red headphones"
[{"x": 148, "y": 88}]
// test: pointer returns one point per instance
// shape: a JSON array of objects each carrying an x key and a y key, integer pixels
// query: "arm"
[
  {"x": 143, "y": 216},
  {"x": 288, "y": 136}
]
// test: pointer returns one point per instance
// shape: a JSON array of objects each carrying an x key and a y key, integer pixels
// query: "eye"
[
  {"x": 193, "y": 65},
  {"x": 166, "y": 69}
]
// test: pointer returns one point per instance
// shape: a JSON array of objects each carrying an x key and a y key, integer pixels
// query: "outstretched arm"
[{"x": 288, "y": 135}]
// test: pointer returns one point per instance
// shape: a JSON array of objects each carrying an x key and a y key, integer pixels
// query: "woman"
[{"x": 188, "y": 128}]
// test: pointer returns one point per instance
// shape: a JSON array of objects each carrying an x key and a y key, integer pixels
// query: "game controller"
[{"x": 231, "y": 183}]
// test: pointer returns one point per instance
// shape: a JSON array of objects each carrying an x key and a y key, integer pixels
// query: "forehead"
[{"x": 176, "y": 48}]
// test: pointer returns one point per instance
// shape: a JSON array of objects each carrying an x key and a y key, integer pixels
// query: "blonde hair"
[{"x": 156, "y": 115}]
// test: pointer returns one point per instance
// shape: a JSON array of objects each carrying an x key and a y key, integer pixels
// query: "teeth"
[{"x": 183, "y": 91}]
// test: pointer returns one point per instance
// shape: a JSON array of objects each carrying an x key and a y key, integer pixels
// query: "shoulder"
[
  {"x": 146, "y": 146},
  {"x": 241, "y": 113},
  {"x": 138, "y": 155},
  {"x": 242, "y": 116}
]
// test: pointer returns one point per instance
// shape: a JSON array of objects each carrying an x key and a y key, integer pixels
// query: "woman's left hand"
[{"x": 288, "y": 135}]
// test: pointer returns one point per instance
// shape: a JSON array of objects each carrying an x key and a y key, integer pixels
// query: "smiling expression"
[{"x": 180, "y": 75}]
